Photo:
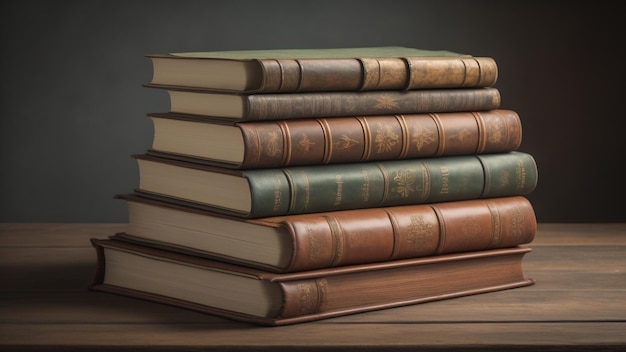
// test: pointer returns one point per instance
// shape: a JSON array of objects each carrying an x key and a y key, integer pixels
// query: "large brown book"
[
  {"x": 330, "y": 239},
  {"x": 255, "y": 193},
  {"x": 333, "y": 140},
  {"x": 279, "y": 106},
  {"x": 254, "y": 296},
  {"x": 340, "y": 69}
]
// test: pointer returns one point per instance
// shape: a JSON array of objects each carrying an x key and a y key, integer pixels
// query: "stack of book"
[{"x": 286, "y": 186}]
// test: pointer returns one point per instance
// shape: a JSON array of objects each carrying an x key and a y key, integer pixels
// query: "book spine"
[
  {"x": 270, "y": 192},
  {"x": 445, "y": 73},
  {"x": 335, "y": 140},
  {"x": 413, "y": 284},
  {"x": 317, "y": 104},
  {"x": 368, "y": 74},
  {"x": 392, "y": 233},
  {"x": 317, "y": 188},
  {"x": 506, "y": 175}
]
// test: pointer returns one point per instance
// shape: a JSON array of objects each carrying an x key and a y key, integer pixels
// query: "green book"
[{"x": 258, "y": 193}]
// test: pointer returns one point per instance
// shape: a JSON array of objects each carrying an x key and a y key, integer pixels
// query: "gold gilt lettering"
[
  {"x": 307, "y": 191},
  {"x": 504, "y": 178},
  {"x": 521, "y": 175},
  {"x": 445, "y": 180},
  {"x": 277, "y": 194},
  {"x": 339, "y": 182},
  {"x": 365, "y": 196}
]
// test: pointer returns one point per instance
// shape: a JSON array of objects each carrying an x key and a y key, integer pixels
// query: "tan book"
[
  {"x": 339, "y": 69},
  {"x": 260, "y": 297},
  {"x": 332, "y": 140},
  {"x": 330, "y": 239}
]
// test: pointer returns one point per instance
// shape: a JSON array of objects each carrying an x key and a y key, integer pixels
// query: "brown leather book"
[
  {"x": 260, "y": 297},
  {"x": 331, "y": 239},
  {"x": 341, "y": 69},
  {"x": 332, "y": 140},
  {"x": 278, "y": 106}
]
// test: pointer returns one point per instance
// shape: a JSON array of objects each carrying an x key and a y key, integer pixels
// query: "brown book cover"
[
  {"x": 339, "y": 69},
  {"x": 278, "y": 106},
  {"x": 330, "y": 239},
  {"x": 260, "y": 297},
  {"x": 333, "y": 140}
]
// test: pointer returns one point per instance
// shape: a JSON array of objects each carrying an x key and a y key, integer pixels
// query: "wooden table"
[{"x": 578, "y": 303}]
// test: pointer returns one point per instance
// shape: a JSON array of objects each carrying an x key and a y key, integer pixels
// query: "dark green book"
[{"x": 307, "y": 189}]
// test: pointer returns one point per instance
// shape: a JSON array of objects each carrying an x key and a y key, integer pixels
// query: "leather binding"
[
  {"x": 320, "y": 294},
  {"x": 330, "y": 239}
]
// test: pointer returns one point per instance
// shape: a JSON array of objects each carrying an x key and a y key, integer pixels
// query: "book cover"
[
  {"x": 330, "y": 239},
  {"x": 260, "y": 297},
  {"x": 315, "y": 188},
  {"x": 278, "y": 106},
  {"x": 334, "y": 140},
  {"x": 339, "y": 69}
]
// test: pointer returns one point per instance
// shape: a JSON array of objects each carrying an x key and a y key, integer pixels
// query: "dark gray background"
[{"x": 72, "y": 105}]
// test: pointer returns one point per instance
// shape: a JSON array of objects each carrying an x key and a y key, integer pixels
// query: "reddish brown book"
[
  {"x": 332, "y": 140},
  {"x": 261, "y": 297},
  {"x": 340, "y": 69},
  {"x": 320, "y": 240}
]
